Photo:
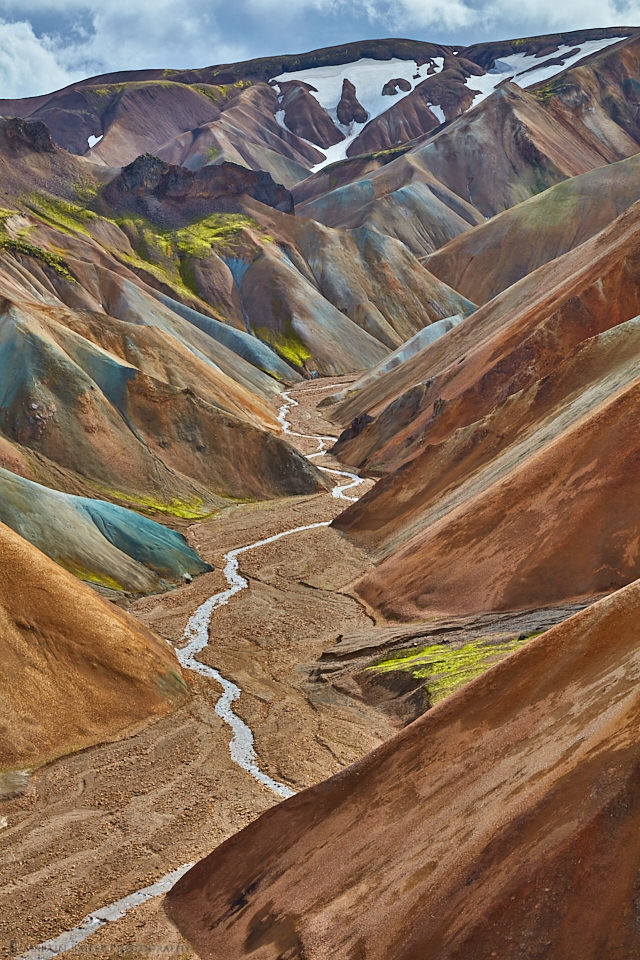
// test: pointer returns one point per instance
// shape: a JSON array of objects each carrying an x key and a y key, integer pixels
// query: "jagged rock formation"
[
  {"x": 349, "y": 109},
  {"x": 148, "y": 183}
]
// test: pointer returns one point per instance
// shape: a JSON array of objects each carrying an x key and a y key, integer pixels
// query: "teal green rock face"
[
  {"x": 99, "y": 542},
  {"x": 243, "y": 344}
]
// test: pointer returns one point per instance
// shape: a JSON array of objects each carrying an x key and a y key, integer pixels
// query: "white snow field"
[
  {"x": 368, "y": 77},
  {"x": 516, "y": 66}
]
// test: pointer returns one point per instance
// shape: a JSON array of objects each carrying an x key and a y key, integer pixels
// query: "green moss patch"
[
  {"x": 23, "y": 248},
  {"x": 193, "y": 509},
  {"x": 61, "y": 214},
  {"x": 91, "y": 576},
  {"x": 287, "y": 345},
  {"x": 220, "y": 92},
  {"x": 445, "y": 668},
  {"x": 219, "y": 231}
]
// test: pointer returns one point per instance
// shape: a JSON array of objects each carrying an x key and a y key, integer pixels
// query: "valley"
[
  {"x": 164, "y": 795},
  {"x": 319, "y": 526}
]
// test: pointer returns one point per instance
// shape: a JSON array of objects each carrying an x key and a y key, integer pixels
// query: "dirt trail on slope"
[{"x": 96, "y": 826}]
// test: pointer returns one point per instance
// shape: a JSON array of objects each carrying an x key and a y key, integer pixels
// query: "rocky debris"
[
  {"x": 31, "y": 420},
  {"x": 155, "y": 188},
  {"x": 356, "y": 426},
  {"x": 392, "y": 87},
  {"x": 32, "y": 134},
  {"x": 400, "y": 694},
  {"x": 305, "y": 117},
  {"x": 350, "y": 110}
]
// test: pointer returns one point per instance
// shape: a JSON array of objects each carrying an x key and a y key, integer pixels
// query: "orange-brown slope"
[
  {"x": 74, "y": 669},
  {"x": 487, "y": 259},
  {"x": 517, "y": 338},
  {"x": 503, "y": 823},
  {"x": 533, "y": 505}
]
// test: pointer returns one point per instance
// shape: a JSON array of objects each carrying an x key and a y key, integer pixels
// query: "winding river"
[{"x": 241, "y": 745}]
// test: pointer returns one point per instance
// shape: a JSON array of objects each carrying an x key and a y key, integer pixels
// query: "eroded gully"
[{"x": 241, "y": 744}]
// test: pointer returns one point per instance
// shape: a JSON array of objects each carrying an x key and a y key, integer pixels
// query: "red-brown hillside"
[
  {"x": 517, "y": 338},
  {"x": 533, "y": 505},
  {"x": 486, "y": 260},
  {"x": 502, "y": 823}
]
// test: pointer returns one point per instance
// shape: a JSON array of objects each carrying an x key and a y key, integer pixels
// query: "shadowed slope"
[
  {"x": 483, "y": 829},
  {"x": 74, "y": 669}
]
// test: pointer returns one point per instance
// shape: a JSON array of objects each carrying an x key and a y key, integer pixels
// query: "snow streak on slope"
[
  {"x": 518, "y": 67},
  {"x": 368, "y": 77}
]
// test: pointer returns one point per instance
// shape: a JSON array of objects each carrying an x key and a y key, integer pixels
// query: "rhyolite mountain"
[
  {"x": 456, "y": 233},
  {"x": 496, "y": 444}
]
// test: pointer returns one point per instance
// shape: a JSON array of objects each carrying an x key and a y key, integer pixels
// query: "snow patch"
[
  {"x": 93, "y": 140},
  {"x": 368, "y": 77},
  {"x": 437, "y": 111},
  {"x": 516, "y": 65}
]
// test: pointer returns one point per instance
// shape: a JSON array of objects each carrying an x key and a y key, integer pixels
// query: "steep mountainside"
[
  {"x": 498, "y": 443},
  {"x": 104, "y": 544},
  {"x": 491, "y": 257},
  {"x": 290, "y": 114},
  {"x": 74, "y": 669},
  {"x": 516, "y": 339},
  {"x": 512, "y": 145},
  {"x": 488, "y": 518},
  {"x": 483, "y": 829},
  {"x": 436, "y": 248}
]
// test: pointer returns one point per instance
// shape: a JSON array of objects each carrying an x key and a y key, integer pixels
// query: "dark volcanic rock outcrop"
[
  {"x": 32, "y": 134},
  {"x": 149, "y": 184},
  {"x": 391, "y": 87},
  {"x": 350, "y": 110},
  {"x": 304, "y": 116}
]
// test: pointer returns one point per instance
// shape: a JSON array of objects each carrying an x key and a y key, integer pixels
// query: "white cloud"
[
  {"x": 45, "y": 44},
  {"x": 549, "y": 16},
  {"x": 28, "y": 64},
  {"x": 96, "y": 37}
]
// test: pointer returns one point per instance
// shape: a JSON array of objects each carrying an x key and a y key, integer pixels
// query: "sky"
[{"x": 45, "y": 44}]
